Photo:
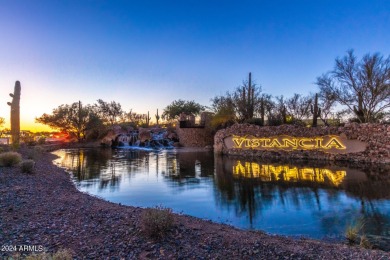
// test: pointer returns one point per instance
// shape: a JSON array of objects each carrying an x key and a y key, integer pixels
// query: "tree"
[
  {"x": 326, "y": 104},
  {"x": 265, "y": 108},
  {"x": 177, "y": 107},
  {"x": 136, "y": 119},
  {"x": 109, "y": 112},
  {"x": 224, "y": 111},
  {"x": 2, "y": 122},
  {"x": 298, "y": 107},
  {"x": 73, "y": 119},
  {"x": 247, "y": 99},
  {"x": 362, "y": 86},
  {"x": 279, "y": 114}
]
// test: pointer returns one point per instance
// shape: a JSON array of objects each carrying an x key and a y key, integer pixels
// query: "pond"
[{"x": 317, "y": 201}]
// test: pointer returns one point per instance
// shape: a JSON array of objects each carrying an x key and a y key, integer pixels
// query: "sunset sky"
[{"x": 145, "y": 54}]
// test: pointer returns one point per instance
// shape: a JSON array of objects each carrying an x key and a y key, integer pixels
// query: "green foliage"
[
  {"x": 354, "y": 231},
  {"x": 10, "y": 159},
  {"x": 177, "y": 107},
  {"x": 224, "y": 109},
  {"x": 246, "y": 99},
  {"x": 109, "y": 112},
  {"x": 27, "y": 165},
  {"x": 156, "y": 222},
  {"x": 74, "y": 119}
]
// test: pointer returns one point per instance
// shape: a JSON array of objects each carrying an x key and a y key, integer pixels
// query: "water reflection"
[
  {"x": 292, "y": 199},
  {"x": 287, "y": 173}
]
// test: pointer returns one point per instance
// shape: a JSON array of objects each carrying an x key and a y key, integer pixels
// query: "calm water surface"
[{"x": 298, "y": 200}]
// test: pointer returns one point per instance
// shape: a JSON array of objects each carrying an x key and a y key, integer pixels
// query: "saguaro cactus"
[
  {"x": 15, "y": 114},
  {"x": 248, "y": 99},
  {"x": 315, "y": 110},
  {"x": 157, "y": 117},
  {"x": 262, "y": 110},
  {"x": 148, "y": 119}
]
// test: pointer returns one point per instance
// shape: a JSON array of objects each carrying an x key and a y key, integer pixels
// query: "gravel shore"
[{"x": 44, "y": 210}]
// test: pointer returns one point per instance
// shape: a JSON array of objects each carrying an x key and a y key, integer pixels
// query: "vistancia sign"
[{"x": 326, "y": 143}]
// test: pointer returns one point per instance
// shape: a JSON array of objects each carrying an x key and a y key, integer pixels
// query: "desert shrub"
[
  {"x": 156, "y": 222},
  {"x": 4, "y": 148},
  {"x": 364, "y": 242},
  {"x": 354, "y": 232},
  {"x": 27, "y": 166},
  {"x": 35, "y": 152},
  {"x": 41, "y": 140},
  {"x": 39, "y": 149},
  {"x": 10, "y": 159}
]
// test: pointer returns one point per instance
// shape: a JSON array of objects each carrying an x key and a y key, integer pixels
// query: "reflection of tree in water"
[
  {"x": 250, "y": 193},
  {"x": 372, "y": 193},
  {"x": 187, "y": 168},
  {"x": 245, "y": 194},
  {"x": 88, "y": 164}
]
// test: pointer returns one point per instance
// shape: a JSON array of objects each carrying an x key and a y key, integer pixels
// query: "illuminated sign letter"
[
  {"x": 290, "y": 143},
  {"x": 255, "y": 142},
  {"x": 275, "y": 143},
  {"x": 238, "y": 141},
  {"x": 334, "y": 143},
  {"x": 305, "y": 145}
]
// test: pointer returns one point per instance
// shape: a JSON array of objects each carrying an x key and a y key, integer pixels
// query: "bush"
[
  {"x": 35, "y": 152},
  {"x": 354, "y": 232},
  {"x": 10, "y": 159},
  {"x": 27, "y": 166},
  {"x": 41, "y": 140},
  {"x": 156, "y": 222}
]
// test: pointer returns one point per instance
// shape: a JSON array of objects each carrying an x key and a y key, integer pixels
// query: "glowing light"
[
  {"x": 268, "y": 173},
  {"x": 288, "y": 142}
]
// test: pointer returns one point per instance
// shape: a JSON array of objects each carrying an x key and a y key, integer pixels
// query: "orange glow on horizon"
[
  {"x": 30, "y": 126},
  {"x": 35, "y": 127}
]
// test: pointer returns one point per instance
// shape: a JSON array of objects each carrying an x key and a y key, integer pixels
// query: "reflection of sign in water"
[
  {"x": 287, "y": 173},
  {"x": 326, "y": 143}
]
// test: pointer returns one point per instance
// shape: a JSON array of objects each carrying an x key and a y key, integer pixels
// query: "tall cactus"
[
  {"x": 248, "y": 99},
  {"x": 262, "y": 110},
  {"x": 15, "y": 115},
  {"x": 157, "y": 117},
  {"x": 148, "y": 119},
  {"x": 315, "y": 110}
]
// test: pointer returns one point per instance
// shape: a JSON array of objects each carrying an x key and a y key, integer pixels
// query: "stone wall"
[
  {"x": 376, "y": 137},
  {"x": 195, "y": 137}
]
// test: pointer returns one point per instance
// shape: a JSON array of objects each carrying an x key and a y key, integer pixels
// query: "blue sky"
[{"x": 145, "y": 54}]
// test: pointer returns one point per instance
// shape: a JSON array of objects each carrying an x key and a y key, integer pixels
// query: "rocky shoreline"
[{"x": 45, "y": 211}]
